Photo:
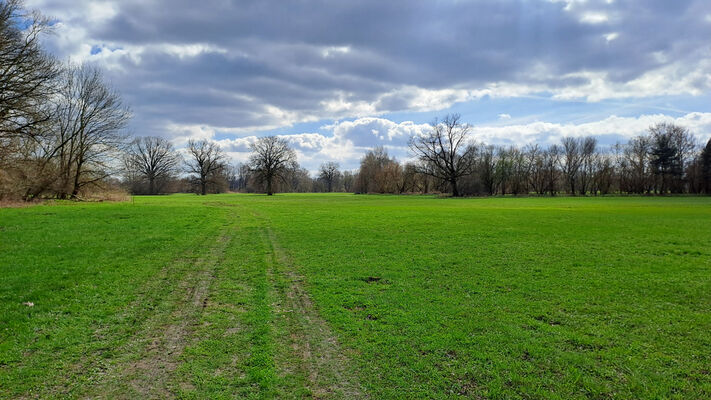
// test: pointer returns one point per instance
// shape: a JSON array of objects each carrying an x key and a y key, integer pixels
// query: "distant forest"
[{"x": 667, "y": 160}]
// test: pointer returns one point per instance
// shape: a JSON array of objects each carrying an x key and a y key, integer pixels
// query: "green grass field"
[{"x": 344, "y": 296}]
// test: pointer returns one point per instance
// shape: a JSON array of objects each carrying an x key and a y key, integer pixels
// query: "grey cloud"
[{"x": 295, "y": 56}]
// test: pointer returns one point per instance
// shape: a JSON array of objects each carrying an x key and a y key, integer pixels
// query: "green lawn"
[{"x": 345, "y": 296}]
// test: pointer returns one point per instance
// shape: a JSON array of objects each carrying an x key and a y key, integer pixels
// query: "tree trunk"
[
  {"x": 151, "y": 185},
  {"x": 455, "y": 190},
  {"x": 203, "y": 187},
  {"x": 269, "y": 187},
  {"x": 75, "y": 191}
]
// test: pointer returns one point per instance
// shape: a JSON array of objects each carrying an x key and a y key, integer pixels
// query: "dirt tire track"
[
  {"x": 322, "y": 359},
  {"x": 163, "y": 343},
  {"x": 95, "y": 369}
]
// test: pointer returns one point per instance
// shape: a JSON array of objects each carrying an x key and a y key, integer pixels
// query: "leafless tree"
[
  {"x": 410, "y": 178},
  {"x": 27, "y": 73},
  {"x": 378, "y": 173},
  {"x": 242, "y": 177},
  {"x": 571, "y": 161},
  {"x": 349, "y": 181},
  {"x": 152, "y": 159},
  {"x": 27, "y": 81},
  {"x": 504, "y": 168},
  {"x": 518, "y": 180},
  {"x": 446, "y": 149},
  {"x": 371, "y": 166},
  {"x": 330, "y": 174},
  {"x": 61, "y": 128},
  {"x": 90, "y": 120},
  {"x": 588, "y": 163},
  {"x": 634, "y": 165},
  {"x": 299, "y": 181},
  {"x": 272, "y": 159},
  {"x": 604, "y": 173},
  {"x": 206, "y": 163},
  {"x": 80, "y": 145},
  {"x": 705, "y": 161},
  {"x": 487, "y": 169}
]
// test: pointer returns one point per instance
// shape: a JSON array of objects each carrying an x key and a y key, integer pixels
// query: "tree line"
[
  {"x": 446, "y": 159},
  {"x": 667, "y": 159},
  {"x": 63, "y": 134}
]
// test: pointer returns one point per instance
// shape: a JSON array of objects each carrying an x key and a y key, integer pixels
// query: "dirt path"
[
  {"x": 164, "y": 336},
  {"x": 169, "y": 308},
  {"x": 318, "y": 353}
]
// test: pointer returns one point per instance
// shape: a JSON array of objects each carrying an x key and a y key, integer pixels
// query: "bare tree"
[
  {"x": 349, "y": 181},
  {"x": 410, "y": 176},
  {"x": 152, "y": 159},
  {"x": 604, "y": 173},
  {"x": 551, "y": 159},
  {"x": 27, "y": 73},
  {"x": 27, "y": 81},
  {"x": 80, "y": 145},
  {"x": 705, "y": 160},
  {"x": 242, "y": 176},
  {"x": 207, "y": 163},
  {"x": 588, "y": 164},
  {"x": 504, "y": 168},
  {"x": 571, "y": 161},
  {"x": 90, "y": 119},
  {"x": 271, "y": 159},
  {"x": 487, "y": 169},
  {"x": 634, "y": 165},
  {"x": 445, "y": 149},
  {"x": 329, "y": 173},
  {"x": 61, "y": 129},
  {"x": 371, "y": 176},
  {"x": 299, "y": 180},
  {"x": 521, "y": 169}
]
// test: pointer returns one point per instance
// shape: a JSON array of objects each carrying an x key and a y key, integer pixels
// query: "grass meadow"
[{"x": 345, "y": 296}]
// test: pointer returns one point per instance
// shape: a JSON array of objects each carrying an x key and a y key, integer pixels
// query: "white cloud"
[
  {"x": 333, "y": 51},
  {"x": 677, "y": 78},
  {"x": 594, "y": 18},
  {"x": 624, "y": 127}
]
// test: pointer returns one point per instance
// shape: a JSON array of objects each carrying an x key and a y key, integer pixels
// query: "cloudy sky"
[{"x": 338, "y": 77}]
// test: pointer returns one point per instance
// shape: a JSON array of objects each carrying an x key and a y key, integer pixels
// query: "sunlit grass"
[{"x": 428, "y": 297}]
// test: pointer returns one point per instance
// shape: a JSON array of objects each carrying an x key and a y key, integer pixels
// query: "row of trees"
[{"x": 665, "y": 160}]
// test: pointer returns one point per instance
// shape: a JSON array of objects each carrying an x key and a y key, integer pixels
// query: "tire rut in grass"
[
  {"x": 164, "y": 336},
  {"x": 320, "y": 357},
  {"x": 95, "y": 368}
]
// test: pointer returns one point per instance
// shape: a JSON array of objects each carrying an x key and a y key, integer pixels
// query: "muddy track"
[{"x": 321, "y": 357}]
